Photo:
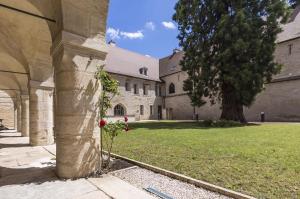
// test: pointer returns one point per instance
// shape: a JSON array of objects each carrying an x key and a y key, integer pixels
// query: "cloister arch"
[{"x": 49, "y": 51}]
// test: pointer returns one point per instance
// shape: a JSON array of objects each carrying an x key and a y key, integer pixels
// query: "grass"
[{"x": 262, "y": 160}]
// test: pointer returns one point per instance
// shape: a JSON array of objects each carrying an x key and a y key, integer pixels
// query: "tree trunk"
[{"x": 232, "y": 108}]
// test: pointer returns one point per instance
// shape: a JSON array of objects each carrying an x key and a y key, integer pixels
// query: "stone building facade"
[
  {"x": 280, "y": 101},
  {"x": 138, "y": 76},
  {"x": 48, "y": 90}
]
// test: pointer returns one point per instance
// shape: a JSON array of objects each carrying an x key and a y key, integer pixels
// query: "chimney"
[
  {"x": 176, "y": 50},
  {"x": 112, "y": 43}
]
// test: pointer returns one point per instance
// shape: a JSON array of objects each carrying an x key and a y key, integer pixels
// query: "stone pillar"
[
  {"x": 19, "y": 113},
  {"x": 25, "y": 115},
  {"x": 76, "y": 114},
  {"x": 41, "y": 114},
  {"x": 77, "y": 50},
  {"x": 15, "y": 115}
]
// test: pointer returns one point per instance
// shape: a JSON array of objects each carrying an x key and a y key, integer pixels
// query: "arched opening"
[
  {"x": 119, "y": 110},
  {"x": 171, "y": 88}
]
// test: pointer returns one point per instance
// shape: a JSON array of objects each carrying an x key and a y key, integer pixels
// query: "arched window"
[
  {"x": 171, "y": 88},
  {"x": 119, "y": 110}
]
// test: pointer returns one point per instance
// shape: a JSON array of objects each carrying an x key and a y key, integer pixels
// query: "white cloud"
[
  {"x": 132, "y": 35},
  {"x": 168, "y": 24},
  {"x": 113, "y": 33},
  {"x": 150, "y": 25}
]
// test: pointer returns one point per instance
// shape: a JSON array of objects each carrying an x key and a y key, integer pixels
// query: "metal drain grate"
[{"x": 158, "y": 193}]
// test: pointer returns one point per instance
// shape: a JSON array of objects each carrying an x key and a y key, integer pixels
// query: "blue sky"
[{"x": 143, "y": 26}]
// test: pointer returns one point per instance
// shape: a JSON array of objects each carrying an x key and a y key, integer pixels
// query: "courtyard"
[
  {"x": 73, "y": 72},
  {"x": 261, "y": 160}
]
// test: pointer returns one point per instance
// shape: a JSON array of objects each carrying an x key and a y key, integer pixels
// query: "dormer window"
[{"x": 144, "y": 71}]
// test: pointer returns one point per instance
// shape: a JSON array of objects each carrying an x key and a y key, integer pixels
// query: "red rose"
[
  {"x": 102, "y": 123},
  {"x": 126, "y": 119},
  {"x": 126, "y": 128}
]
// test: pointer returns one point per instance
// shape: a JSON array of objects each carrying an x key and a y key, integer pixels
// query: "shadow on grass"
[{"x": 180, "y": 125}]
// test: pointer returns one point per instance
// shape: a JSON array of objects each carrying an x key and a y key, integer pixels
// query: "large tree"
[
  {"x": 294, "y": 3},
  {"x": 228, "y": 50}
]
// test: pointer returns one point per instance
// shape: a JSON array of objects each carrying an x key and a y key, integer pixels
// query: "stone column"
[
  {"x": 76, "y": 114},
  {"x": 25, "y": 115},
  {"x": 77, "y": 50},
  {"x": 41, "y": 113},
  {"x": 19, "y": 113},
  {"x": 15, "y": 115}
]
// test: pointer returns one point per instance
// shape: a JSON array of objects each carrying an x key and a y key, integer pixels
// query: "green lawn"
[{"x": 262, "y": 161}]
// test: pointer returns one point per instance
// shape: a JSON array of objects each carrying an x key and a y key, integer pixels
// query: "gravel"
[{"x": 143, "y": 178}]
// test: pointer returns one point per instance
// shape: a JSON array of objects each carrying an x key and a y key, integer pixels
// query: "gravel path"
[{"x": 176, "y": 189}]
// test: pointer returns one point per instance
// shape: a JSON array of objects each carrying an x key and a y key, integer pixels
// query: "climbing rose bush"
[{"x": 102, "y": 123}]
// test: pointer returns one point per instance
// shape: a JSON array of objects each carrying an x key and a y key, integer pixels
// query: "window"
[
  {"x": 119, "y": 110},
  {"x": 171, "y": 88},
  {"x": 145, "y": 89},
  {"x": 151, "y": 110},
  {"x": 135, "y": 89},
  {"x": 127, "y": 86},
  {"x": 141, "y": 110},
  {"x": 178, "y": 77},
  {"x": 290, "y": 49},
  {"x": 156, "y": 90},
  {"x": 159, "y": 91},
  {"x": 144, "y": 71}
]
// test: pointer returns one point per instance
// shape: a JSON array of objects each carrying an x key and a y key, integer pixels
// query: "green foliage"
[
  {"x": 111, "y": 130},
  {"x": 229, "y": 49},
  {"x": 109, "y": 90}
]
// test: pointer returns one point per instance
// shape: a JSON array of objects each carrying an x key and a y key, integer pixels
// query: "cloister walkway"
[{"x": 29, "y": 173}]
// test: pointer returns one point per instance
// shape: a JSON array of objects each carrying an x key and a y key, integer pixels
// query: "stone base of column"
[{"x": 78, "y": 156}]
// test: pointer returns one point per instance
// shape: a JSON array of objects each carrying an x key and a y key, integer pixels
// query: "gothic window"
[
  {"x": 171, "y": 88},
  {"x": 119, "y": 110}
]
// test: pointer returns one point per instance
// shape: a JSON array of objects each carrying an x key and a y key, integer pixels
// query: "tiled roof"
[
  {"x": 291, "y": 30},
  {"x": 170, "y": 64},
  {"x": 124, "y": 62}
]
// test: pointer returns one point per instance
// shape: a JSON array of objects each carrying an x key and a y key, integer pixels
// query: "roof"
[
  {"x": 291, "y": 30},
  {"x": 170, "y": 64},
  {"x": 124, "y": 62}
]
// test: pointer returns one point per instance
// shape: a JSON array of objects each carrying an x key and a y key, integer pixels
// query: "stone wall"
[
  {"x": 131, "y": 102},
  {"x": 280, "y": 100},
  {"x": 7, "y": 113}
]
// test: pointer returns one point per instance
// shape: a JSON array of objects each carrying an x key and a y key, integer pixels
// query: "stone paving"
[{"x": 29, "y": 173}]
